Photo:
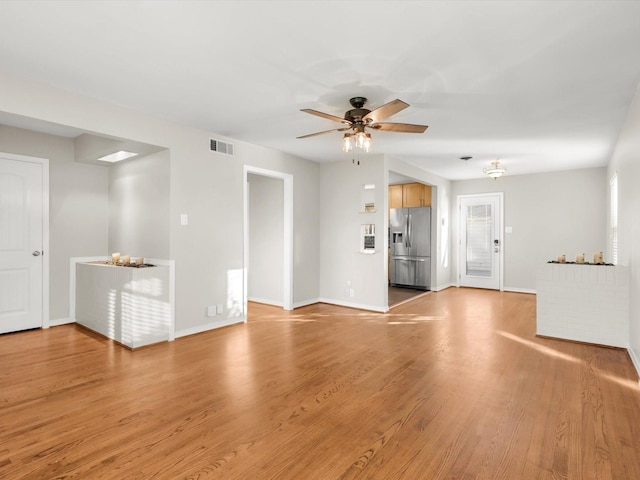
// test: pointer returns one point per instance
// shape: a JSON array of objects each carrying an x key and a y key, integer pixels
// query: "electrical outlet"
[
  {"x": 351, "y": 292},
  {"x": 219, "y": 308},
  {"x": 211, "y": 311}
]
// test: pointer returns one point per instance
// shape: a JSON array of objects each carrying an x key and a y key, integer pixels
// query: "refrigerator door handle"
[
  {"x": 410, "y": 240},
  {"x": 406, "y": 232}
]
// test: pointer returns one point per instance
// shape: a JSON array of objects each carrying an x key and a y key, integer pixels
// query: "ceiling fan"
[{"x": 359, "y": 119}]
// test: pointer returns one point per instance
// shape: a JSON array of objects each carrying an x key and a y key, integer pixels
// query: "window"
[{"x": 479, "y": 240}]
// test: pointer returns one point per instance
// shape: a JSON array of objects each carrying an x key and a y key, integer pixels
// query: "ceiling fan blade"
[
  {"x": 399, "y": 127},
  {"x": 326, "y": 131},
  {"x": 325, "y": 115},
  {"x": 385, "y": 111}
]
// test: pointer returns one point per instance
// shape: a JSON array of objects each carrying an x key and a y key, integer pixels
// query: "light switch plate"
[
  {"x": 508, "y": 229},
  {"x": 184, "y": 219}
]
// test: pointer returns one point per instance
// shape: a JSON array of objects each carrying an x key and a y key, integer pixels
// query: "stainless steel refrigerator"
[{"x": 410, "y": 242}]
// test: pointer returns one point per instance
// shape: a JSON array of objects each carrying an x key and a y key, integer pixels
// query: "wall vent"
[{"x": 220, "y": 147}]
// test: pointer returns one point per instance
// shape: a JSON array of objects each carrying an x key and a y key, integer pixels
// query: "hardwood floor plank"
[{"x": 452, "y": 385}]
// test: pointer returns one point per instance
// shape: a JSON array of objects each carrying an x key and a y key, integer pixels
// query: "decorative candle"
[
  {"x": 563, "y": 259},
  {"x": 126, "y": 259},
  {"x": 140, "y": 261},
  {"x": 580, "y": 258},
  {"x": 598, "y": 258},
  {"x": 115, "y": 257}
]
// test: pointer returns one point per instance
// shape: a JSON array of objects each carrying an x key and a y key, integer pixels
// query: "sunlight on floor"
[
  {"x": 625, "y": 382},
  {"x": 410, "y": 319},
  {"x": 540, "y": 348},
  {"x": 381, "y": 318}
]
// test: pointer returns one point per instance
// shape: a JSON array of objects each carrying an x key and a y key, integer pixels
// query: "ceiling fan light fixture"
[
  {"x": 495, "y": 170},
  {"x": 363, "y": 141},
  {"x": 358, "y": 119},
  {"x": 360, "y": 140},
  {"x": 347, "y": 143}
]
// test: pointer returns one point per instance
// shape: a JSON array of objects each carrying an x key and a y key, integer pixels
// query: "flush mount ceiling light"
[
  {"x": 358, "y": 119},
  {"x": 118, "y": 156},
  {"x": 495, "y": 170}
]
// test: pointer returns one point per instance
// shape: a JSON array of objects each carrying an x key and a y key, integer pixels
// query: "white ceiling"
[{"x": 541, "y": 85}]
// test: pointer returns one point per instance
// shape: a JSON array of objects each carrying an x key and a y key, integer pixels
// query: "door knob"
[{"x": 36, "y": 253}]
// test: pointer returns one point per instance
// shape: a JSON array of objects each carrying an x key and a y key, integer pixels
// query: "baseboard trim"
[
  {"x": 265, "y": 301},
  {"x": 209, "y": 326},
  {"x": 504, "y": 289},
  {"x": 439, "y": 288},
  {"x": 306, "y": 303},
  {"x": 635, "y": 360},
  {"x": 357, "y": 306},
  {"x": 61, "y": 321},
  {"x": 520, "y": 290}
]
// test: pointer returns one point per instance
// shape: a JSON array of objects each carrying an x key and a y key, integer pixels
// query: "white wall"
[
  {"x": 266, "y": 241},
  {"x": 139, "y": 202},
  {"x": 341, "y": 263},
  {"x": 340, "y": 220},
  {"x": 77, "y": 207},
  {"x": 205, "y": 185},
  {"x": 551, "y": 214},
  {"x": 306, "y": 208},
  {"x": 626, "y": 164}
]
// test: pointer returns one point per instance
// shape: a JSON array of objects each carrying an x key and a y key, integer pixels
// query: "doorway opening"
[
  {"x": 268, "y": 227},
  {"x": 411, "y": 223}
]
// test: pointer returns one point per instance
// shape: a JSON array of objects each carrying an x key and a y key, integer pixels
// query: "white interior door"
[
  {"x": 21, "y": 245},
  {"x": 480, "y": 259}
]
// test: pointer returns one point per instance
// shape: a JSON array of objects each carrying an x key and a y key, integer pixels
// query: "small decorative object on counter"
[
  {"x": 580, "y": 258},
  {"x": 118, "y": 260},
  {"x": 562, "y": 259},
  {"x": 598, "y": 258}
]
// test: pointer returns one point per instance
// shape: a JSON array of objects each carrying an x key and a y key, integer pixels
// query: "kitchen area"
[{"x": 410, "y": 240}]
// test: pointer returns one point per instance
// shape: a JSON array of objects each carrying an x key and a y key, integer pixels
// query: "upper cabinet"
[
  {"x": 409, "y": 195},
  {"x": 395, "y": 196}
]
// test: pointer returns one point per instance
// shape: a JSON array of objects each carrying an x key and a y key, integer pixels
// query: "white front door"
[
  {"x": 480, "y": 259},
  {"x": 21, "y": 240}
]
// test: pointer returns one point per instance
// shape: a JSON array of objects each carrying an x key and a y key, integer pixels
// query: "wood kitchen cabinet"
[
  {"x": 412, "y": 195},
  {"x": 409, "y": 195},
  {"x": 395, "y": 196}
]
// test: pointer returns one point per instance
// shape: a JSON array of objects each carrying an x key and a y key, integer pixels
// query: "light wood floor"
[
  {"x": 454, "y": 385},
  {"x": 400, "y": 295}
]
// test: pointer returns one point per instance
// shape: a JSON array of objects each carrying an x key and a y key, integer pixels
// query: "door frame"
[
  {"x": 287, "y": 269},
  {"x": 44, "y": 163},
  {"x": 500, "y": 233}
]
